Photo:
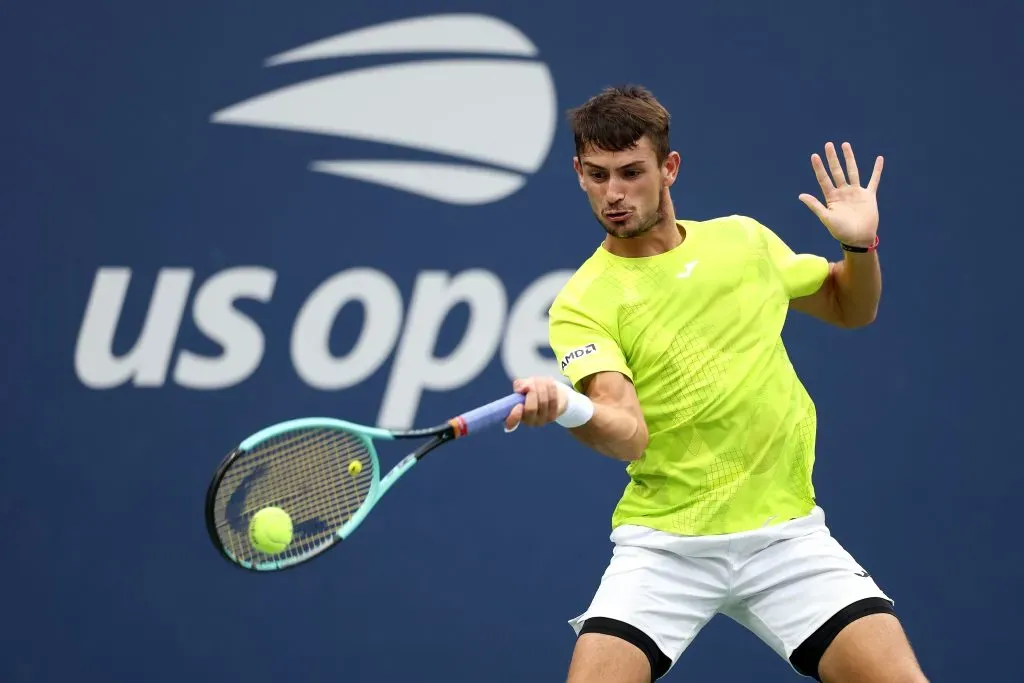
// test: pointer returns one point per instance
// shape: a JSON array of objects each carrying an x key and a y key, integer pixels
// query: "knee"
[
  {"x": 908, "y": 674},
  {"x": 911, "y": 675}
]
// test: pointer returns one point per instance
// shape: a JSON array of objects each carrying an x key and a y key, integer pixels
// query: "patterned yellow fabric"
[{"x": 698, "y": 331}]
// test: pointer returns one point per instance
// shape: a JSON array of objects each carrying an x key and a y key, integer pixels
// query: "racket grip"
[{"x": 489, "y": 415}]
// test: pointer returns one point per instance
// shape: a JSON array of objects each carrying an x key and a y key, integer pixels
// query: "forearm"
[
  {"x": 857, "y": 287},
  {"x": 615, "y": 432}
]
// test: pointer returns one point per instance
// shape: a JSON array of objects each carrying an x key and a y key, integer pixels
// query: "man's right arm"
[
  {"x": 605, "y": 415},
  {"x": 616, "y": 428}
]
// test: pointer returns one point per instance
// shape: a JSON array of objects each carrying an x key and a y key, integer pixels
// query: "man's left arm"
[{"x": 849, "y": 294}]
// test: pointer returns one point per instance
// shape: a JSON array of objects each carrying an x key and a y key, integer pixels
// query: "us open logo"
[
  {"x": 578, "y": 353},
  {"x": 491, "y": 119}
]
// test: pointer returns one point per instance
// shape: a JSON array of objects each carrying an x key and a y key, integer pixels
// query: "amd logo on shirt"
[{"x": 578, "y": 353}]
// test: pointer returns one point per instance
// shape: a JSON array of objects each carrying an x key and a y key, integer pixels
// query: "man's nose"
[{"x": 615, "y": 191}]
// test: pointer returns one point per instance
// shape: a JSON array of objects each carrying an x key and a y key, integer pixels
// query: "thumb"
[
  {"x": 512, "y": 421},
  {"x": 814, "y": 205}
]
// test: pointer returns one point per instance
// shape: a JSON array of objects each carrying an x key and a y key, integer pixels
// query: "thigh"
[
  {"x": 873, "y": 649},
  {"x": 797, "y": 592},
  {"x": 651, "y": 603},
  {"x": 604, "y": 658}
]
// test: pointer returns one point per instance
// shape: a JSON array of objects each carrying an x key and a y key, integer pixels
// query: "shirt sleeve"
[
  {"x": 801, "y": 274},
  {"x": 583, "y": 346}
]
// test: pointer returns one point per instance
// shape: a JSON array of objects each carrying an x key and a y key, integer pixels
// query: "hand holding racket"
[
  {"x": 545, "y": 401},
  {"x": 324, "y": 473}
]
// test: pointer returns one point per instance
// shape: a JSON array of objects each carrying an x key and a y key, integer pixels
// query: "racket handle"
[{"x": 490, "y": 415}]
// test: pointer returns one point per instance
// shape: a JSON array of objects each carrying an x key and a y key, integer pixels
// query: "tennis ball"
[
  {"x": 355, "y": 467},
  {"x": 270, "y": 530}
]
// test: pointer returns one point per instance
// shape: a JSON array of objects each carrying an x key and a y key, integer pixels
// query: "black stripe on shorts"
[
  {"x": 806, "y": 658},
  {"x": 660, "y": 663}
]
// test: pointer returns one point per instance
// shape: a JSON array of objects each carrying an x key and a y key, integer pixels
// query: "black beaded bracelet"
[{"x": 860, "y": 250}]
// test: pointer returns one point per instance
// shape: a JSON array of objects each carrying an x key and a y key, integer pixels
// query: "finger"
[
  {"x": 513, "y": 419},
  {"x": 552, "y": 411},
  {"x": 876, "y": 175},
  {"x": 833, "y": 163},
  {"x": 540, "y": 392},
  {"x": 530, "y": 408},
  {"x": 822, "y": 175},
  {"x": 851, "y": 164},
  {"x": 814, "y": 205}
]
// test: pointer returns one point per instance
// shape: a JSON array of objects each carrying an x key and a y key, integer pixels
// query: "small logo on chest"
[{"x": 689, "y": 269}]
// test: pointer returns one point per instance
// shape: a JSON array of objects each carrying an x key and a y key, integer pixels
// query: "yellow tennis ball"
[
  {"x": 355, "y": 467},
  {"x": 270, "y": 530}
]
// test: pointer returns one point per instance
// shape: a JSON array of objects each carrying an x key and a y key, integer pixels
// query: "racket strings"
[{"x": 307, "y": 474}]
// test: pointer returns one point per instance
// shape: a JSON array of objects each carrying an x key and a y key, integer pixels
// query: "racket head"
[{"x": 303, "y": 467}]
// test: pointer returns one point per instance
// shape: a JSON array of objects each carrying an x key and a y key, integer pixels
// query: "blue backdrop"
[{"x": 218, "y": 216}]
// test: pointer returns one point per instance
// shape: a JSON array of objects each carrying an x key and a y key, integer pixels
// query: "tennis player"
[{"x": 670, "y": 335}]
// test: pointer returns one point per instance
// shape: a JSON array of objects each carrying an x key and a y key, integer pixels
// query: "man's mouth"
[{"x": 618, "y": 216}]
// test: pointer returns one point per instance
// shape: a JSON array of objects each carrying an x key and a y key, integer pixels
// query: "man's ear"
[
  {"x": 670, "y": 169},
  {"x": 579, "y": 171}
]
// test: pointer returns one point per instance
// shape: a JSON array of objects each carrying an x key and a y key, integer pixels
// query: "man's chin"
[{"x": 624, "y": 230}]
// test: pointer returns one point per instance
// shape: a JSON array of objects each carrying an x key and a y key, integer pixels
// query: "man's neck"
[{"x": 665, "y": 236}]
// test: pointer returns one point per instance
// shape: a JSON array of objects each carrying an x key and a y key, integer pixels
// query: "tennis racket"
[{"x": 324, "y": 473}]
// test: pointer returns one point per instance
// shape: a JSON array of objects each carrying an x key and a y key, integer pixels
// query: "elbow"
[
  {"x": 861, "y": 320},
  {"x": 638, "y": 444},
  {"x": 852, "y": 317}
]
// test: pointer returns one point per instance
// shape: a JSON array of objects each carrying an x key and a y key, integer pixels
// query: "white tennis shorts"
[{"x": 781, "y": 582}]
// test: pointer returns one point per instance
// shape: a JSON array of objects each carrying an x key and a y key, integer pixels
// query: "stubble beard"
[{"x": 644, "y": 223}]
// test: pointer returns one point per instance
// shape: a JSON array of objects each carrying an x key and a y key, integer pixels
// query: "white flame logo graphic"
[{"x": 494, "y": 117}]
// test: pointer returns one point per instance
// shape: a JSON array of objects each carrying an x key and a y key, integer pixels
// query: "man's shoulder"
[
  {"x": 573, "y": 296},
  {"x": 727, "y": 227}
]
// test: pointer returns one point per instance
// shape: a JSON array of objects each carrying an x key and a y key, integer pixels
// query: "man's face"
[{"x": 626, "y": 189}]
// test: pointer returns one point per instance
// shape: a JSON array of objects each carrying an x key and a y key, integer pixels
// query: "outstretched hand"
[{"x": 850, "y": 211}]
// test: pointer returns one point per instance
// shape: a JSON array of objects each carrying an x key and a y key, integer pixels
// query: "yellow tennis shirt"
[{"x": 698, "y": 331}]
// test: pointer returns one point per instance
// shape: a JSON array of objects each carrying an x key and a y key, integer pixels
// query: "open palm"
[{"x": 850, "y": 211}]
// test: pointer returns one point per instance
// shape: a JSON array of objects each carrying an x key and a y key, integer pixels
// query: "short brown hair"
[{"x": 616, "y": 118}]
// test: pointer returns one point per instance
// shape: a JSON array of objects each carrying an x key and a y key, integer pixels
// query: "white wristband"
[{"x": 578, "y": 408}]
